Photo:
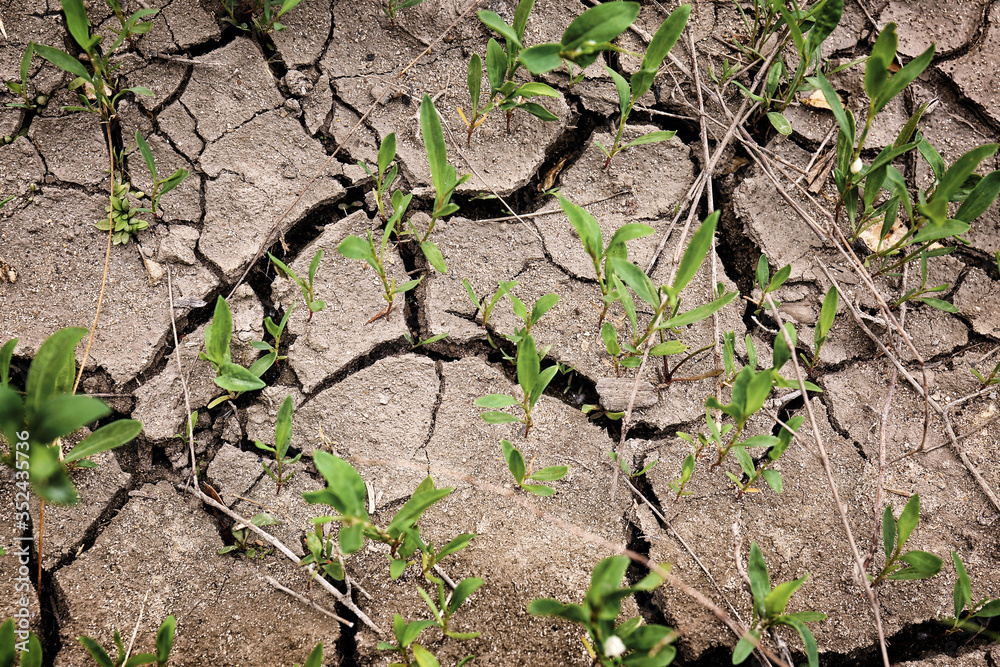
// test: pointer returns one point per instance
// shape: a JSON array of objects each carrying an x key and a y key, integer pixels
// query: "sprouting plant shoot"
[
  {"x": 282, "y": 438},
  {"x": 608, "y": 642},
  {"x": 406, "y": 633},
  {"x": 235, "y": 379},
  {"x": 827, "y": 314},
  {"x": 625, "y": 468},
  {"x": 21, "y": 87},
  {"x": 416, "y": 341},
  {"x": 629, "y": 92},
  {"x": 533, "y": 382},
  {"x": 241, "y": 534},
  {"x": 308, "y": 289},
  {"x": 355, "y": 247},
  {"x": 387, "y": 171},
  {"x": 593, "y": 244},
  {"x": 315, "y": 658},
  {"x": 769, "y": 610},
  {"x": 768, "y": 283},
  {"x": 912, "y": 564},
  {"x": 515, "y": 463},
  {"x": 589, "y": 35},
  {"x": 391, "y": 7},
  {"x": 160, "y": 186},
  {"x": 968, "y": 614},
  {"x": 260, "y": 16},
  {"x": 987, "y": 380},
  {"x": 123, "y": 217},
  {"x": 276, "y": 331},
  {"x": 485, "y": 307},
  {"x": 777, "y": 445},
  {"x": 164, "y": 644}
]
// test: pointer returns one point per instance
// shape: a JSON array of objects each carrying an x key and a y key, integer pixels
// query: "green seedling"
[
  {"x": 543, "y": 305},
  {"x": 769, "y": 610},
  {"x": 504, "y": 95},
  {"x": 189, "y": 431},
  {"x": 407, "y": 633},
  {"x": 595, "y": 412},
  {"x": 589, "y": 232},
  {"x": 355, "y": 247},
  {"x": 533, "y": 382},
  {"x": 259, "y": 16},
  {"x": 827, "y": 314},
  {"x": 777, "y": 445},
  {"x": 160, "y": 186},
  {"x": 323, "y": 550},
  {"x": 133, "y": 25},
  {"x": 611, "y": 643},
  {"x": 308, "y": 288},
  {"x": 486, "y": 307},
  {"x": 242, "y": 537},
  {"x": 443, "y": 177},
  {"x": 345, "y": 492},
  {"x": 282, "y": 438},
  {"x": 990, "y": 380},
  {"x": 315, "y": 658},
  {"x": 123, "y": 221},
  {"x": 21, "y": 87},
  {"x": 387, "y": 171},
  {"x": 445, "y": 608},
  {"x": 34, "y": 422},
  {"x": 629, "y": 92},
  {"x": 391, "y": 7},
  {"x": 687, "y": 470},
  {"x": 164, "y": 644},
  {"x": 589, "y": 35},
  {"x": 968, "y": 614},
  {"x": 100, "y": 93},
  {"x": 276, "y": 331},
  {"x": 415, "y": 341},
  {"x": 919, "y": 293},
  {"x": 912, "y": 564},
  {"x": 235, "y": 379},
  {"x": 515, "y": 462},
  {"x": 625, "y": 468},
  {"x": 767, "y": 283},
  {"x": 24, "y": 642}
]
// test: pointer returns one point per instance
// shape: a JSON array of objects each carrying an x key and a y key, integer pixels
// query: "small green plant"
[
  {"x": 777, "y": 445},
  {"x": 242, "y": 537},
  {"x": 122, "y": 220},
  {"x": 160, "y": 186},
  {"x": 687, "y": 470},
  {"x": 391, "y": 7},
  {"x": 987, "y": 381},
  {"x": 921, "y": 292},
  {"x": 586, "y": 37},
  {"x": 164, "y": 644},
  {"x": 355, "y": 247},
  {"x": 235, "y": 379},
  {"x": 486, "y": 306},
  {"x": 259, "y": 16},
  {"x": 34, "y": 422},
  {"x": 912, "y": 564},
  {"x": 515, "y": 462},
  {"x": 769, "y": 610},
  {"x": 315, "y": 658},
  {"x": 533, "y": 382},
  {"x": 589, "y": 232},
  {"x": 627, "y": 470},
  {"x": 629, "y": 92},
  {"x": 611, "y": 643},
  {"x": 827, "y": 314},
  {"x": 308, "y": 289},
  {"x": 21, "y": 87},
  {"x": 282, "y": 438},
  {"x": 968, "y": 613},
  {"x": 276, "y": 331},
  {"x": 416, "y": 342},
  {"x": 133, "y": 25},
  {"x": 443, "y": 610},
  {"x": 387, "y": 171},
  {"x": 767, "y": 283},
  {"x": 407, "y": 633}
]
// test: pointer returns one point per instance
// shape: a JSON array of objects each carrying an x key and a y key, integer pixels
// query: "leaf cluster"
[
  {"x": 912, "y": 564},
  {"x": 515, "y": 463},
  {"x": 232, "y": 377}
]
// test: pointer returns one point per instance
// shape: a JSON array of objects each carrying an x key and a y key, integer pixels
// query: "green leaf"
[
  {"x": 345, "y": 492},
  {"x": 63, "y": 61},
  {"x": 610, "y": 338},
  {"x": 49, "y": 363},
  {"x": 496, "y": 24},
  {"x": 414, "y": 508},
  {"x": 495, "y": 401},
  {"x": 667, "y": 347},
  {"x": 877, "y": 67},
  {"x": 636, "y": 279},
  {"x": 499, "y": 418},
  {"x": 49, "y": 478},
  {"x": 846, "y": 125},
  {"x": 462, "y": 591},
  {"x": 940, "y": 305},
  {"x": 283, "y": 427},
  {"x": 779, "y": 122},
  {"x": 825, "y": 21},
  {"x": 78, "y": 23},
  {"x": 630, "y": 231},
  {"x": 698, "y": 314},
  {"x": 515, "y": 460},
  {"x": 980, "y": 199},
  {"x": 624, "y": 93},
  {"x": 543, "y": 305},
  {"x": 475, "y": 78},
  {"x": 651, "y": 138},
  {"x": 396, "y": 567},
  {"x": 826, "y": 316},
  {"x": 903, "y": 77},
  {"x": 413, "y": 631},
  {"x": 586, "y": 227},
  {"x": 107, "y": 437},
  {"x": 454, "y": 546},
  {"x": 695, "y": 253},
  {"x": 63, "y": 415},
  {"x": 599, "y": 24},
  {"x": 424, "y": 658},
  {"x": 990, "y": 609},
  {"x": 527, "y": 364},
  {"x": 96, "y": 652},
  {"x": 763, "y": 273},
  {"x": 908, "y": 519},
  {"x": 888, "y": 531},
  {"x": 541, "y": 58},
  {"x": 663, "y": 40},
  {"x": 812, "y": 653},
  {"x": 6, "y": 353},
  {"x": 355, "y": 247},
  {"x": 434, "y": 256},
  {"x": 315, "y": 658},
  {"x": 960, "y": 170},
  {"x": 433, "y": 137},
  {"x": 147, "y": 155},
  {"x": 923, "y": 565},
  {"x": 779, "y": 278},
  {"x": 773, "y": 479},
  {"x": 963, "y": 586},
  {"x": 235, "y": 378},
  {"x": 777, "y": 600},
  {"x": 314, "y": 265},
  {"x": 165, "y": 639},
  {"x": 217, "y": 345},
  {"x": 745, "y": 647},
  {"x": 521, "y": 17},
  {"x": 550, "y": 474},
  {"x": 496, "y": 66},
  {"x": 535, "y": 89},
  {"x": 760, "y": 583}
]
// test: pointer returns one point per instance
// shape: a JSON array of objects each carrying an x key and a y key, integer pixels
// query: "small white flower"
[
  {"x": 613, "y": 647},
  {"x": 856, "y": 166}
]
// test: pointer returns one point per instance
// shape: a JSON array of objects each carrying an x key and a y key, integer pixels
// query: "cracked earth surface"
[{"x": 255, "y": 121}]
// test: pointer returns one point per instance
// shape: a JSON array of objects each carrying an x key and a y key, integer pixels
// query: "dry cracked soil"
[{"x": 256, "y": 120}]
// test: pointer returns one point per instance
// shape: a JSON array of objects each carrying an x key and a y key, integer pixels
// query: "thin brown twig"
[
  {"x": 306, "y": 601},
  {"x": 269, "y": 237},
  {"x": 882, "y": 468},
  {"x": 135, "y": 630}
]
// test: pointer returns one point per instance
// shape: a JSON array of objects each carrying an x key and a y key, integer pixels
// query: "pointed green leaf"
[
  {"x": 515, "y": 460},
  {"x": 777, "y": 600},
  {"x": 541, "y": 58},
  {"x": 695, "y": 253},
  {"x": 651, "y": 138},
  {"x": 107, "y": 437},
  {"x": 908, "y": 519},
  {"x": 963, "y": 586},
  {"x": 599, "y": 24},
  {"x": 235, "y": 378},
  {"x": 779, "y": 122},
  {"x": 497, "y": 24},
  {"x": 495, "y": 401}
]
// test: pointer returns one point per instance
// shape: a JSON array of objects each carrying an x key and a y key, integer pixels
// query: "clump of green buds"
[{"x": 122, "y": 220}]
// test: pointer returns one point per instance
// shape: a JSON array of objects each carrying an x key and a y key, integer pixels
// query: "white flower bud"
[
  {"x": 856, "y": 166},
  {"x": 613, "y": 647}
]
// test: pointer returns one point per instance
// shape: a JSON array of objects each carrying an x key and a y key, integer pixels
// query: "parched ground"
[{"x": 256, "y": 120}]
